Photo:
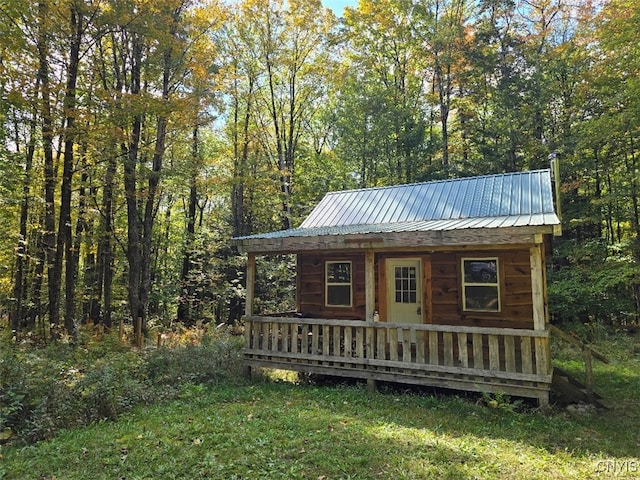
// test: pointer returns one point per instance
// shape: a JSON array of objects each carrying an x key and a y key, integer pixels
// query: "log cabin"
[{"x": 439, "y": 283}]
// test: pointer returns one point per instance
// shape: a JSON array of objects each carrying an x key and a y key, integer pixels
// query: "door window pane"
[{"x": 406, "y": 285}]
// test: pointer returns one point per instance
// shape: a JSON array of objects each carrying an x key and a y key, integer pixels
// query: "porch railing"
[
  {"x": 515, "y": 361},
  {"x": 588, "y": 352}
]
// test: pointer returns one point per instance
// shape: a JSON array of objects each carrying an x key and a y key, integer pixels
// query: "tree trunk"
[
  {"x": 105, "y": 268},
  {"x": 35, "y": 300},
  {"x": 134, "y": 246},
  {"x": 632, "y": 168},
  {"x": 240, "y": 166},
  {"x": 443, "y": 82},
  {"x": 65, "y": 235},
  {"x": 18, "y": 318},
  {"x": 153, "y": 182},
  {"x": 285, "y": 177},
  {"x": 149, "y": 219},
  {"x": 81, "y": 229},
  {"x": 152, "y": 192},
  {"x": 186, "y": 296},
  {"x": 598, "y": 192},
  {"x": 49, "y": 235}
]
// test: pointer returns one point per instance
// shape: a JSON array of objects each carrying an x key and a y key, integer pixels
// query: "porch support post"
[
  {"x": 369, "y": 284},
  {"x": 370, "y": 301},
  {"x": 248, "y": 306},
  {"x": 251, "y": 281},
  {"x": 372, "y": 385},
  {"x": 537, "y": 288},
  {"x": 542, "y": 347}
]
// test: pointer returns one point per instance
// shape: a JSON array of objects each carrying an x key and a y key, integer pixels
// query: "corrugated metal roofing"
[
  {"x": 424, "y": 226},
  {"x": 490, "y": 201},
  {"x": 504, "y": 195}
]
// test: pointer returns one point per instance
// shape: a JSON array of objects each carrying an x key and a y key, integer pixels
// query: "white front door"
[{"x": 404, "y": 290}]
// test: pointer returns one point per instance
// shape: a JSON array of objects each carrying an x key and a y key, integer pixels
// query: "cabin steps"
[{"x": 571, "y": 390}]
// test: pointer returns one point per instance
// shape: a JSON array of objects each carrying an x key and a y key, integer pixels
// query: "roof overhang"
[{"x": 423, "y": 235}]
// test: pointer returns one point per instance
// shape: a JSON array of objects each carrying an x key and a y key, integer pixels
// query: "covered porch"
[
  {"x": 439, "y": 284},
  {"x": 511, "y": 361}
]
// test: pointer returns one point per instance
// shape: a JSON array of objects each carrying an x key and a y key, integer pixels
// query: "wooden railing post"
[
  {"x": 251, "y": 280},
  {"x": 461, "y": 357},
  {"x": 537, "y": 287},
  {"x": 588, "y": 372},
  {"x": 587, "y": 354},
  {"x": 541, "y": 344},
  {"x": 248, "y": 332}
]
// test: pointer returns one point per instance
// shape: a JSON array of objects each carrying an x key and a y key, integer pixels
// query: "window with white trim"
[
  {"x": 338, "y": 284},
  {"x": 480, "y": 285}
]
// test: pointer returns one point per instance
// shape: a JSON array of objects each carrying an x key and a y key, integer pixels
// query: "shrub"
[
  {"x": 216, "y": 358},
  {"x": 43, "y": 390},
  {"x": 111, "y": 386},
  {"x": 13, "y": 393}
]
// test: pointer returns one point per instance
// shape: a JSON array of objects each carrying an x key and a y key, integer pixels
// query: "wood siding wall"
[
  {"x": 515, "y": 290},
  {"x": 444, "y": 300},
  {"x": 311, "y": 286}
]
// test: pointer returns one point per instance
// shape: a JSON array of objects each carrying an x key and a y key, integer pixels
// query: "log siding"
[{"x": 442, "y": 287}]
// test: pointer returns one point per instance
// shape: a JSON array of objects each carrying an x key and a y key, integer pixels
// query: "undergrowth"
[
  {"x": 59, "y": 386},
  {"x": 278, "y": 427}
]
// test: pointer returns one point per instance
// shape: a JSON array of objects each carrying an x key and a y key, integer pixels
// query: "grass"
[{"x": 275, "y": 429}]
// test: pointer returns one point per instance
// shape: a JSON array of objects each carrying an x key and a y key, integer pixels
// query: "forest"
[{"x": 138, "y": 137}]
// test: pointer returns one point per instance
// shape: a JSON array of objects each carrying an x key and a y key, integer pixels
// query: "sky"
[{"x": 338, "y": 5}]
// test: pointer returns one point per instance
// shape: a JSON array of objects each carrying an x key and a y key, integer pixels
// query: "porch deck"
[{"x": 510, "y": 361}]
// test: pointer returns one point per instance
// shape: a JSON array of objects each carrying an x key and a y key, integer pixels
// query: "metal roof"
[
  {"x": 504, "y": 195},
  {"x": 490, "y": 201}
]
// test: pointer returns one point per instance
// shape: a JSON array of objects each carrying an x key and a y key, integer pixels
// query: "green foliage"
[
  {"x": 593, "y": 282},
  {"x": 280, "y": 430},
  {"x": 217, "y": 358},
  {"x": 303, "y": 108},
  {"x": 206, "y": 287},
  {"x": 13, "y": 391},
  {"x": 9, "y": 211},
  {"x": 45, "y": 390},
  {"x": 381, "y": 117},
  {"x": 502, "y": 402},
  {"x": 110, "y": 386},
  {"x": 275, "y": 284}
]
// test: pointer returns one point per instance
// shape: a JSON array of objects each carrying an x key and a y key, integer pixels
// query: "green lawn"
[{"x": 270, "y": 429}]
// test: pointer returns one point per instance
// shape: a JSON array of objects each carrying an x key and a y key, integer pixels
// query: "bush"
[
  {"x": 13, "y": 392},
  {"x": 111, "y": 386},
  {"x": 216, "y": 358},
  {"x": 47, "y": 389}
]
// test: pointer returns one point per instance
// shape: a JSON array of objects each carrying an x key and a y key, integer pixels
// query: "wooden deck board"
[{"x": 511, "y": 360}]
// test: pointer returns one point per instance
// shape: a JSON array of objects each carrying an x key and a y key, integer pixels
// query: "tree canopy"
[{"x": 138, "y": 137}]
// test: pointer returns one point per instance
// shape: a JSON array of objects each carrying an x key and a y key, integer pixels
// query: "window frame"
[
  {"x": 328, "y": 284},
  {"x": 465, "y": 284}
]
